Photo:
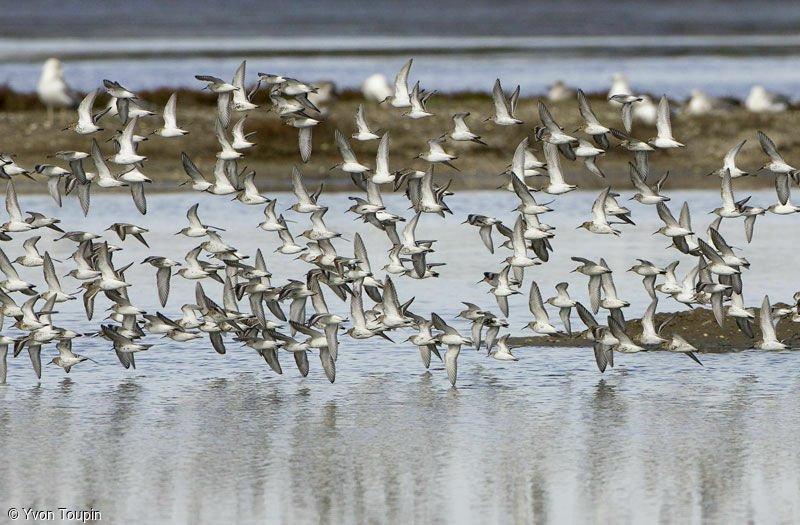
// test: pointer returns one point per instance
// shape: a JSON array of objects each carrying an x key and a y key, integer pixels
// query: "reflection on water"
[
  {"x": 244, "y": 448},
  {"x": 192, "y": 436}
]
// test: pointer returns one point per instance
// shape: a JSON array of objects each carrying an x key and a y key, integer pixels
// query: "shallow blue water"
[
  {"x": 719, "y": 75},
  {"x": 192, "y": 436}
]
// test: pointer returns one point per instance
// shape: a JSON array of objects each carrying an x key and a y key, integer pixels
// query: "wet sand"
[
  {"x": 23, "y": 132},
  {"x": 697, "y": 326}
]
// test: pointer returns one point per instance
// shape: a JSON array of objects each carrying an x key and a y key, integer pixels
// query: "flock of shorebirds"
[{"x": 266, "y": 328}]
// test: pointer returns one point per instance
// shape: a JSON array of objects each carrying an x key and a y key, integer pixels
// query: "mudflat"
[{"x": 23, "y": 132}]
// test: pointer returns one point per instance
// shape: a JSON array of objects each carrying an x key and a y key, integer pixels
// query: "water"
[
  {"x": 663, "y": 48},
  {"x": 192, "y": 436},
  {"x": 40, "y": 18},
  {"x": 673, "y": 75}
]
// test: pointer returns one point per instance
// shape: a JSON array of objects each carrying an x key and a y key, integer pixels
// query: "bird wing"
[
  {"x": 522, "y": 191},
  {"x": 238, "y": 129},
  {"x": 357, "y": 310},
  {"x": 382, "y": 157},
  {"x": 12, "y": 204},
  {"x": 665, "y": 214},
  {"x": 222, "y": 138},
  {"x": 416, "y": 103},
  {"x": 85, "y": 108},
  {"x": 53, "y": 189},
  {"x": 649, "y": 313},
  {"x": 407, "y": 234},
  {"x": 586, "y": 316},
  {"x": 304, "y": 141},
  {"x": 451, "y": 362},
  {"x": 769, "y": 147},
  {"x": 719, "y": 242},
  {"x": 361, "y": 120},
  {"x": 782, "y": 188},
  {"x": 600, "y": 356},
  {"x": 139, "y": 199},
  {"x": 553, "y": 163},
  {"x": 126, "y": 139},
  {"x": 224, "y": 108},
  {"x": 599, "y": 207},
  {"x": 586, "y": 109},
  {"x": 162, "y": 284},
  {"x": 6, "y": 267},
  {"x": 517, "y": 239},
  {"x": 536, "y": 305},
  {"x": 486, "y": 236},
  {"x": 191, "y": 215},
  {"x": 710, "y": 253},
  {"x": 391, "y": 305},
  {"x": 360, "y": 252},
  {"x": 765, "y": 321},
  {"x": 618, "y": 331},
  {"x": 209, "y": 78},
  {"x": 100, "y": 164},
  {"x": 513, "y": 99},
  {"x": 170, "y": 118},
  {"x": 401, "y": 81},
  {"x": 373, "y": 193},
  {"x": 663, "y": 124},
  {"x": 50, "y": 273},
  {"x": 729, "y": 161},
  {"x": 518, "y": 161},
  {"x": 547, "y": 118},
  {"x": 685, "y": 218},
  {"x": 627, "y": 117},
  {"x": 594, "y": 292},
  {"x": 501, "y": 108},
  {"x": 299, "y": 188},
  {"x": 238, "y": 80},
  {"x": 459, "y": 123},
  {"x": 607, "y": 283},
  {"x": 344, "y": 147},
  {"x": 726, "y": 191}
]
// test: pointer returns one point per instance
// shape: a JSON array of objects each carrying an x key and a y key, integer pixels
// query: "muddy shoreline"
[
  {"x": 697, "y": 326},
  {"x": 23, "y": 132}
]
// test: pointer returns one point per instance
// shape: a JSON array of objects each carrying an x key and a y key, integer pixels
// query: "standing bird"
[{"x": 53, "y": 90}]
